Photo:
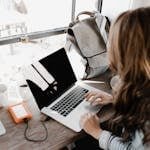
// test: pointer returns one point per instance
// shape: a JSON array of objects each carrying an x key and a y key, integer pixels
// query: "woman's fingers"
[
  {"x": 94, "y": 99},
  {"x": 99, "y": 97},
  {"x": 87, "y": 118},
  {"x": 96, "y": 102},
  {"x": 88, "y": 95},
  {"x": 90, "y": 124},
  {"x": 84, "y": 118}
]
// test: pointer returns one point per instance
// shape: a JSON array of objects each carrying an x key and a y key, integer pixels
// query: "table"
[{"x": 59, "y": 135}]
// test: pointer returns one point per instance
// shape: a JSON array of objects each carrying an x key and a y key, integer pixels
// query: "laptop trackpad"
[{"x": 91, "y": 108}]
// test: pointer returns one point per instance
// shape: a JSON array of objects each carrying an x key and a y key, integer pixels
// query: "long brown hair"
[{"x": 129, "y": 55}]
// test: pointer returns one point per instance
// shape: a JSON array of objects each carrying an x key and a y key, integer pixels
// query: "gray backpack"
[{"x": 89, "y": 37}]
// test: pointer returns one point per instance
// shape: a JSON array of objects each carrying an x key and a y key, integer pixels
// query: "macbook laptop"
[{"x": 57, "y": 92}]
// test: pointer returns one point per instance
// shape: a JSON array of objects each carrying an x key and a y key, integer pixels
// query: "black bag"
[{"x": 89, "y": 37}]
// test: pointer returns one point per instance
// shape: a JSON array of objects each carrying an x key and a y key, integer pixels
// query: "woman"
[{"x": 129, "y": 55}]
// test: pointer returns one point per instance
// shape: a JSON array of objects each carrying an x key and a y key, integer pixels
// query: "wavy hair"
[{"x": 129, "y": 55}]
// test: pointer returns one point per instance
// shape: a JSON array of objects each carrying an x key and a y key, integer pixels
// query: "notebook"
[{"x": 57, "y": 91}]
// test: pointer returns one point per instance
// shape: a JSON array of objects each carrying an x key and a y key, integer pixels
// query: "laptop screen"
[{"x": 49, "y": 77}]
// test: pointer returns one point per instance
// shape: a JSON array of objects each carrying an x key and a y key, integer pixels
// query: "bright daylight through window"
[
  {"x": 21, "y": 17},
  {"x": 34, "y": 15}
]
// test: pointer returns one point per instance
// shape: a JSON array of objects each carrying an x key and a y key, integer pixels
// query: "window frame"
[{"x": 42, "y": 34}]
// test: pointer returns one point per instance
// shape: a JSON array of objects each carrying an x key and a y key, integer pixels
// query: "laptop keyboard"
[{"x": 70, "y": 101}]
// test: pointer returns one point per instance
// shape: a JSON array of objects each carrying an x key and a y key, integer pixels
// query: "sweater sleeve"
[{"x": 107, "y": 141}]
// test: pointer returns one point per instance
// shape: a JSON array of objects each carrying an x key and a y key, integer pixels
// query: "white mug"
[{"x": 3, "y": 94}]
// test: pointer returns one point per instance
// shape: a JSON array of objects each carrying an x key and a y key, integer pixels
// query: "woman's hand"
[
  {"x": 98, "y": 98},
  {"x": 90, "y": 124}
]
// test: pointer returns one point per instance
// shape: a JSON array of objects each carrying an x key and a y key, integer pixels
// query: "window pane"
[
  {"x": 13, "y": 56},
  {"x": 85, "y": 5},
  {"x": 20, "y": 16},
  {"x": 113, "y": 8}
]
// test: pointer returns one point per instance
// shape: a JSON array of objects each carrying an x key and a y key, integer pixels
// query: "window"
[
  {"x": 21, "y": 16},
  {"x": 113, "y": 8},
  {"x": 86, "y": 5},
  {"x": 37, "y": 20}
]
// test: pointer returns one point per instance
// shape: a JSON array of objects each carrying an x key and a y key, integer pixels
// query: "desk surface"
[{"x": 58, "y": 135}]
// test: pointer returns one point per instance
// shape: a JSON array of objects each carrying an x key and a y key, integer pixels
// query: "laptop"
[{"x": 56, "y": 90}]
